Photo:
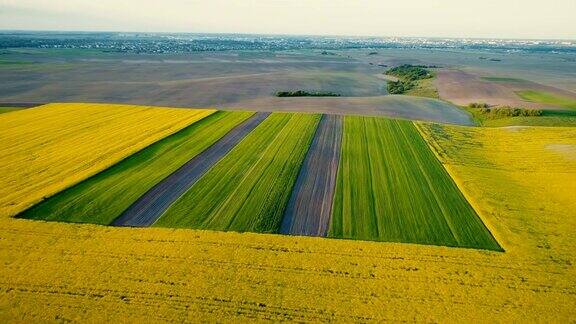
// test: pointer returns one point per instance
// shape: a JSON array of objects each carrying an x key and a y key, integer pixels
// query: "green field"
[
  {"x": 103, "y": 197},
  {"x": 547, "y": 98},
  {"x": 391, "y": 187},
  {"x": 249, "y": 188},
  {"x": 9, "y": 109}
]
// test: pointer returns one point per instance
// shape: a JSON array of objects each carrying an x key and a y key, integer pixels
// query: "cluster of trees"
[
  {"x": 410, "y": 72},
  {"x": 304, "y": 93},
  {"x": 506, "y": 111},
  {"x": 399, "y": 87},
  {"x": 407, "y": 76},
  {"x": 478, "y": 105}
]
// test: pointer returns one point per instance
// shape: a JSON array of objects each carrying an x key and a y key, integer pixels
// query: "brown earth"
[
  {"x": 462, "y": 88},
  {"x": 520, "y": 85},
  {"x": 395, "y": 106},
  {"x": 309, "y": 210}
]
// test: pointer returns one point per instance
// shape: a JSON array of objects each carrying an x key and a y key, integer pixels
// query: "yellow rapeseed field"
[
  {"x": 46, "y": 149},
  {"x": 520, "y": 181}
]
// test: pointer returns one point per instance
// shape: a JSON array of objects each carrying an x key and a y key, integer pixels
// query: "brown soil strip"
[
  {"x": 148, "y": 208},
  {"x": 309, "y": 210}
]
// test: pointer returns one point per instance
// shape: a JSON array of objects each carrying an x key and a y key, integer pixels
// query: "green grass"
[
  {"x": 391, "y": 187},
  {"x": 547, "y": 98},
  {"x": 424, "y": 88},
  {"x": 103, "y": 197},
  {"x": 249, "y": 188},
  {"x": 4, "y": 110}
]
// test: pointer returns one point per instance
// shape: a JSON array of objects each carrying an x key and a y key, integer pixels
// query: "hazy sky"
[{"x": 442, "y": 18}]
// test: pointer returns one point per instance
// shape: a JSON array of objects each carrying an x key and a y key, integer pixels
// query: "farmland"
[
  {"x": 391, "y": 188},
  {"x": 518, "y": 179},
  {"x": 533, "y": 211},
  {"x": 96, "y": 199},
  {"x": 56, "y": 271},
  {"x": 440, "y": 217},
  {"x": 462, "y": 88},
  {"x": 309, "y": 211},
  {"x": 189, "y": 180},
  {"x": 50, "y": 148},
  {"x": 392, "y": 106},
  {"x": 548, "y": 98},
  {"x": 249, "y": 188},
  {"x": 150, "y": 206},
  {"x": 549, "y": 118}
]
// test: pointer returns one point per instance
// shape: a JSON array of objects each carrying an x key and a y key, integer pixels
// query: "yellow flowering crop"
[{"x": 46, "y": 149}]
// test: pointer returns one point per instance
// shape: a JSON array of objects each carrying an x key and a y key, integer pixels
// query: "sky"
[{"x": 527, "y": 19}]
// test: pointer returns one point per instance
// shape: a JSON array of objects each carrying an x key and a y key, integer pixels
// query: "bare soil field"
[
  {"x": 309, "y": 209},
  {"x": 522, "y": 85},
  {"x": 462, "y": 88},
  {"x": 396, "y": 106},
  {"x": 148, "y": 208},
  {"x": 555, "y": 70},
  {"x": 202, "y": 79}
]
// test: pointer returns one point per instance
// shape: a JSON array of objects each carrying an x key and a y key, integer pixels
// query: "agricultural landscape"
[{"x": 361, "y": 183}]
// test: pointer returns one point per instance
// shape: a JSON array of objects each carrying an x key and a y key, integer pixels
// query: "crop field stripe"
[
  {"x": 391, "y": 187},
  {"x": 150, "y": 206},
  {"x": 96, "y": 200},
  {"x": 309, "y": 209},
  {"x": 249, "y": 189}
]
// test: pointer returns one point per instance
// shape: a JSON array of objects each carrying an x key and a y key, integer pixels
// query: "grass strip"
[{"x": 547, "y": 98}]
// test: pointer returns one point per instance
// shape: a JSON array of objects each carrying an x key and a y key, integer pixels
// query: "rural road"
[
  {"x": 310, "y": 207},
  {"x": 148, "y": 208}
]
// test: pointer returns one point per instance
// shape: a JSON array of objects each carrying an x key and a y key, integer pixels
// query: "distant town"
[{"x": 160, "y": 43}]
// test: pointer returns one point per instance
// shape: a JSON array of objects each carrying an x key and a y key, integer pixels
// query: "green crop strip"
[
  {"x": 4, "y": 110},
  {"x": 548, "y": 98},
  {"x": 103, "y": 197},
  {"x": 249, "y": 188},
  {"x": 391, "y": 187}
]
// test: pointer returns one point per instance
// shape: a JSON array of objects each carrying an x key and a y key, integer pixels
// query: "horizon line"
[{"x": 276, "y": 34}]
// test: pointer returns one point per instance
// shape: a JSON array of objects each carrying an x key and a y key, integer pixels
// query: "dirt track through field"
[
  {"x": 310, "y": 207},
  {"x": 148, "y": 208}
]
